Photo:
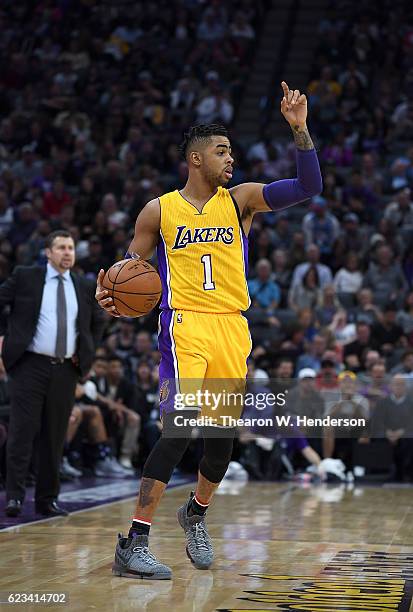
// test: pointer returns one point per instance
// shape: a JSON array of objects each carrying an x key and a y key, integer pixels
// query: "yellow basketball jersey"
[{"x": 202, "y": 257}]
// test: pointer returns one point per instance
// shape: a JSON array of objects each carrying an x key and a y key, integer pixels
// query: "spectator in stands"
[
  {"x": 306, "y": 320},
  {"x": 397, "y": 177},
  {"x": 122, "y": 341},
  {"x": 366, "y": 310},
  {"x": 338, "y": 153},
  {"x": 147, "y": 402},
  {"x": 282, "y": 232},
  {"x": 393, "y": 420},
  {"x": 405, "y": 367},
  {"x": 306, "y": 293},
  {"x": 305, "y": 400},
  {"x": 25, "y": 223},
  {"x": 324, "y": 90},
  {"x": 404, "y": 317},
  {"x": 281, "y": 274},
  {"x": 385, "y": 278},
  {"x": 360, "y": 199},
  {"x": 297, "y": 251},
  {"x": 377, "y": 387},
  {"x": 370, "y": 359},
  {"x": 143, "y": 349},
  {"x": 263, "y": 246},
  {"x": 282, "y": 376},
  {"x": 97, "y": 450},
  {"x": 339, "y": 442},
  {"x": 400, "y": 211},
  {"x": 6, "y": 214},
  {"x": 95, "y": 260},
  {"x": 313, "y": 259},
  {"x": 328, "y": 307},
  {"x": 343, "y": 331},
  {"x": 265, "y": 294},
  {"x": 117, "y": 399},
  {"x": 28, "y": 168},
  {"x": 348, "y": 279},
  {"x": 387, "y": 335},
  {"x": 371, "y": 176},
  {"x": 352, "y": 234},
  {"x": 56, "y": 199},
  {"x": 320, "y": 227},
  {"x": 354, "y": 352},
  {"x": 313, "y": 354},
  {"x": 327, "y": 378},
  {"x": 215, "y": 107}
]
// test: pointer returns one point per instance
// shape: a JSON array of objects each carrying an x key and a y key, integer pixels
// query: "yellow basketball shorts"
[{"x": 203, "y": 362}]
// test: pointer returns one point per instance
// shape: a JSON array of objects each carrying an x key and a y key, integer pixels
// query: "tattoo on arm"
[
  {"x": 145, "y": 498},
  {"x": 302, "y": 138}
]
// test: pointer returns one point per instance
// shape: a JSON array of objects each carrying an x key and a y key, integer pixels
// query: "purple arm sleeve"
[{"x": 287, "y": 192}]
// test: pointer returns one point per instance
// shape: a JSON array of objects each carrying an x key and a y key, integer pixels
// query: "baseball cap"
[
  {"x": 377, "y": 238},
  {"x": 351, "y": 218},
  {"x": 306, "y": 373},
  {"x": 212, "y": 74},
  {"x": 347, "y": 374},
  {"x": 318, "y": 202}
]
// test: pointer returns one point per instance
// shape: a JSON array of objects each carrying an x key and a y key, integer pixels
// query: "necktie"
[{"x": 61, "y": 337}]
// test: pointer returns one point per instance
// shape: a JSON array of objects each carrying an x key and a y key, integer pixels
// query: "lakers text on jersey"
[{"x": 203, "y": 257}]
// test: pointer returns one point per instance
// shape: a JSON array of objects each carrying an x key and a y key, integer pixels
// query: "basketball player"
[{"x": 201, "y": 234}]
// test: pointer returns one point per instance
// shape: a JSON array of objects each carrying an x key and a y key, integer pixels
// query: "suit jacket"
[{"x": 23, "y": 292}]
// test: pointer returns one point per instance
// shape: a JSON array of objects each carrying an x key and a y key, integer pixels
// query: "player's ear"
[{"x": 195, "y": 158}]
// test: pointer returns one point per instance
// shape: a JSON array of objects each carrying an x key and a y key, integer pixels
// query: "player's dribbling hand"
[
  {"x": 294, "y": 106},
  {"x": 101, "y": 296}
]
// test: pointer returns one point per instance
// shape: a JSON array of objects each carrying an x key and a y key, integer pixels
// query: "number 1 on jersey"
[{"x": 208, "y": 282}]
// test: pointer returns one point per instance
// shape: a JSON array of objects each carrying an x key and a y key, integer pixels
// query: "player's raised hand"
[
  {"x": 101, "y": 296},
  {"x": 294, "y": 106}
]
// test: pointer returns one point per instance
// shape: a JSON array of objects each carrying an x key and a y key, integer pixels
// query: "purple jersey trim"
[
  {"x": 245, "y": 250},
  {"x": 167, "y": 374},
  {"x": 163, "y": 273}
]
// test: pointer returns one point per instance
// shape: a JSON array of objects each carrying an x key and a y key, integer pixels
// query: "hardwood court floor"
[{"x": 278, "y": 547}]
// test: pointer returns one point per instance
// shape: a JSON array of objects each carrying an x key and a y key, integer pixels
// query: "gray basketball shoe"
[
  {"x": 133, "y": 559},
  {"x": 198, "y": 543}
]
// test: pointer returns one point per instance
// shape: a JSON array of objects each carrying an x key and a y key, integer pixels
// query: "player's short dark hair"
[
  {"x": 199, "y": 133},
  {"x": 57, "y": 234}
]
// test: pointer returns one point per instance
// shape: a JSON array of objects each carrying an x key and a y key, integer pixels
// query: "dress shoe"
[
  {"x": 51, "y": 509},
  {"x": 14, "y": 507}
]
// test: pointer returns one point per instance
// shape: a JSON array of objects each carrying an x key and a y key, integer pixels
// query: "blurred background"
[{"x": 94, "y": 99}]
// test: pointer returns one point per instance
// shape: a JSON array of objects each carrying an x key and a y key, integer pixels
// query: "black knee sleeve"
[
  {"x": 217, "y": 455},
  {"x": 164, "y": 457}
]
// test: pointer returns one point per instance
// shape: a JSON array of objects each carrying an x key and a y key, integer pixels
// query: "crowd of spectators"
[
  {"x": 332, "y": 282},
  {"x": 94, "y": 97}
]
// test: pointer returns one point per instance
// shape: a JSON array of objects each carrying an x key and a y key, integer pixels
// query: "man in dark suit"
[{"x": 53, "y": 328}]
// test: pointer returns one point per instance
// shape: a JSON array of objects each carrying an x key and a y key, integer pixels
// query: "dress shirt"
[{"x": 44, "y": 340}]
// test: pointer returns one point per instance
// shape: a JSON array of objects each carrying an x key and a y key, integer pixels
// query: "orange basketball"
[{"x": 134, "y": 285}]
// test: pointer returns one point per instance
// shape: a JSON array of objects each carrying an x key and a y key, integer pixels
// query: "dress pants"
[{"x": 42, "y": 396}]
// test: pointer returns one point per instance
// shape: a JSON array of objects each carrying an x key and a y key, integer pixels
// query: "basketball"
[{"x": 134, "y": 285}]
